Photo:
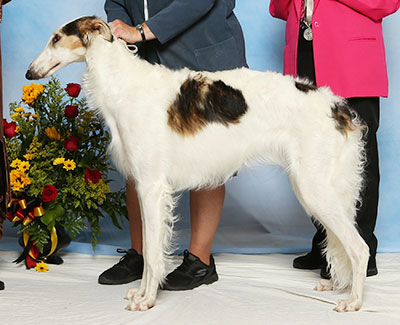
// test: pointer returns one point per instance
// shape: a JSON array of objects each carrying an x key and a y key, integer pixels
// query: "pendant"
[{"x": 307, "y": 34}]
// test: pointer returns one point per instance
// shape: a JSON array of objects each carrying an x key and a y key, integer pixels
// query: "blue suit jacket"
[{"x": 197, "y": 34}]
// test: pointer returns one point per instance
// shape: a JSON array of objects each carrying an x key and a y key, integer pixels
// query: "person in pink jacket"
[{"x": 340, "y": 44}]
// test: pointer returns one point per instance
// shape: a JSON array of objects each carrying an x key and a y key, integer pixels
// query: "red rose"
[
  {"x": 9, "y": 129},
  {"x": 73, "y": 89},
  {"x": 71, "y": 144},
  {"x": 93, "y": 175},
  {"x": 49, "y": 193},
  {"x": 71, "y": 111}
]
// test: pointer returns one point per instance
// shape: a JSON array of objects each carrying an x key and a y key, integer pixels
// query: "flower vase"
[{"x": 63, "y": 240}]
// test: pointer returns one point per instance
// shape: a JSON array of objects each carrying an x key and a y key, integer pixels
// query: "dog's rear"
[{"x": 329, "y": 183}]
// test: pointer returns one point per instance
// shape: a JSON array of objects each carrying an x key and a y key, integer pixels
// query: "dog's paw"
[
  {"x": 134, "y": 292},
  {"x": 348, "y": 305},
  {"x": 143, "y": 305},
  {"x": 324, "y": 285}
]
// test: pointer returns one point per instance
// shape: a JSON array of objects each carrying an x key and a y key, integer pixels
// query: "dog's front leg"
[{"x": 154, "y": 199}]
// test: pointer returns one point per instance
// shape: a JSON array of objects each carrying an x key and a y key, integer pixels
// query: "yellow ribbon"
[
  {"x": 26, "y": 221},
  {"x": 22, "y": 204},
  {"x": 16, "y": 219},
  {"x": 54, "y": 242},
  {"x": 11, "y": 202},
  {"x": 38, "y": 211}
]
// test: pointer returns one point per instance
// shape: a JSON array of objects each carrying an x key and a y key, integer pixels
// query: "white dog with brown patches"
[{"x": 177, "y": 130}]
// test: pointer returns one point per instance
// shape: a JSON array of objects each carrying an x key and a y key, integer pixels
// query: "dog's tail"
[{"x": 346, "y": 119}]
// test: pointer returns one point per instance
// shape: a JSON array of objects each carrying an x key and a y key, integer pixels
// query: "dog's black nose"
[{"x": 28, "y": 75}]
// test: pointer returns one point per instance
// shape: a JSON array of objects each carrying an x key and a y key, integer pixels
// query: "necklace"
[
  {"x": 307, "y": 33},
  {"x": 306, "y": 14}
]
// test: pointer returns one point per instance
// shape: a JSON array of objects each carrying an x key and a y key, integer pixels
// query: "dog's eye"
[{"x": 55, "y": 39}]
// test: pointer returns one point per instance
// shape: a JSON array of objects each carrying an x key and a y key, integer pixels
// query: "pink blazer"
[{"x": 349, "y": 51}]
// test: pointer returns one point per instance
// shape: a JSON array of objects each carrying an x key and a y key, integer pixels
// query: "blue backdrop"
[{"x": 261, "y": 214}]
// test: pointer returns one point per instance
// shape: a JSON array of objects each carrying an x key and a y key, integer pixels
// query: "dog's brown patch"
[
  {"x": 305, "y": 87},
  {"x": 71, "y": 42},
  {"x": 86, "y": 27},
  {"x": 343, "y": 117},
  {"x": 201, "y": 101}
]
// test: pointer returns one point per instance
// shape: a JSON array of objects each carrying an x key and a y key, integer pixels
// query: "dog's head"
[{"x": 68, "y": 44}]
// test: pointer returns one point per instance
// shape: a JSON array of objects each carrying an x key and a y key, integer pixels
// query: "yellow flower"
[
  {"x": 26, "y": 114},
  {"x": 52, "y": 133},
  {"x": 42, "y": 267},
  {"x": 15, "y": 116},
  {"x": 69, "y": 165},
  {"x": 30, "y": 93},
  {"x": 34, "y": 115},
  {"x": 17, "y": 129},
  {"x": 15, "y": 163},
  {"x": 17, "y": 186},
  {"x": 58, "y": 161},
  {"x": 19, "y": 109},
  {"x": 28, "y": 156},
  {"x": 24, "y": 166},
  {"x": 15, "y": 179},
  {"x": 26, "y": 181},
  {"x": 14, "y": 175},
  {"x": 18, "y": 180}
]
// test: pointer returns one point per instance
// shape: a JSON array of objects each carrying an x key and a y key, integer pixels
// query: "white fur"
[{"x": 283, "y": 126}]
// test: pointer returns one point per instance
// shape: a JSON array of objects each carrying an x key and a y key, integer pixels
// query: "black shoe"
[
  {"x": 1, "y": 285},
  {"x": 371, "y": 270},
  {"x": 54, "y": 259},
  {"x": 310, "y": 261},
  {"x": 191, "y": 274},
  {"x": 128, "y": 269}
]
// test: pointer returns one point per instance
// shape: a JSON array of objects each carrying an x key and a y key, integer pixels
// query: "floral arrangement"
[{"x": 59, "y": 168}]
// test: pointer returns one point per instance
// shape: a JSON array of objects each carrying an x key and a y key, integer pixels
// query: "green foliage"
[{"x": 39, "y": 157}]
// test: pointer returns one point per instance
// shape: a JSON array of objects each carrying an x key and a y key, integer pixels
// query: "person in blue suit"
[{"x": 203, "y": 36}]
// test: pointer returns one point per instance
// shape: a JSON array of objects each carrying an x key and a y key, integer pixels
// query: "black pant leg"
[
  {"x": 305, "y": 59},
  {"x": 368, "y": 109}
]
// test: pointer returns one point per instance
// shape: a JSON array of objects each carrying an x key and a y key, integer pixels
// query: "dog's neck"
[{"x": 102, "y": 52}]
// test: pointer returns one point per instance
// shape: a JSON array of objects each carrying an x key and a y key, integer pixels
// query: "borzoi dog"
[{"x": 178, "y": 130}]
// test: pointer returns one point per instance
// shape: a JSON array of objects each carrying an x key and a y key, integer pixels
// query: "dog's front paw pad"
[
  {"x": 348, "y": 305},
  {"x": 324, "y": 285}
]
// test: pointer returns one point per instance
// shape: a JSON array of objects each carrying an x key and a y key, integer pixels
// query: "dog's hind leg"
[
  {"x": 347, "y": 253},
  {"x": 155, "y": 202}
]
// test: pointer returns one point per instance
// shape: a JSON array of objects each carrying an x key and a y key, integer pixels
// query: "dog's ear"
[{"x": 93, "y": 27}]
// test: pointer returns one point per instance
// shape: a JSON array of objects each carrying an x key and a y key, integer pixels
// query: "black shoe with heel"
[
  {"x": 371, "y": 270},
  {"x": 310, "y": 261}
]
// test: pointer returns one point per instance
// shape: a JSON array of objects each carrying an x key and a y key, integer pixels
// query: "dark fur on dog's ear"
[{"x": 86, "y": 28}]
